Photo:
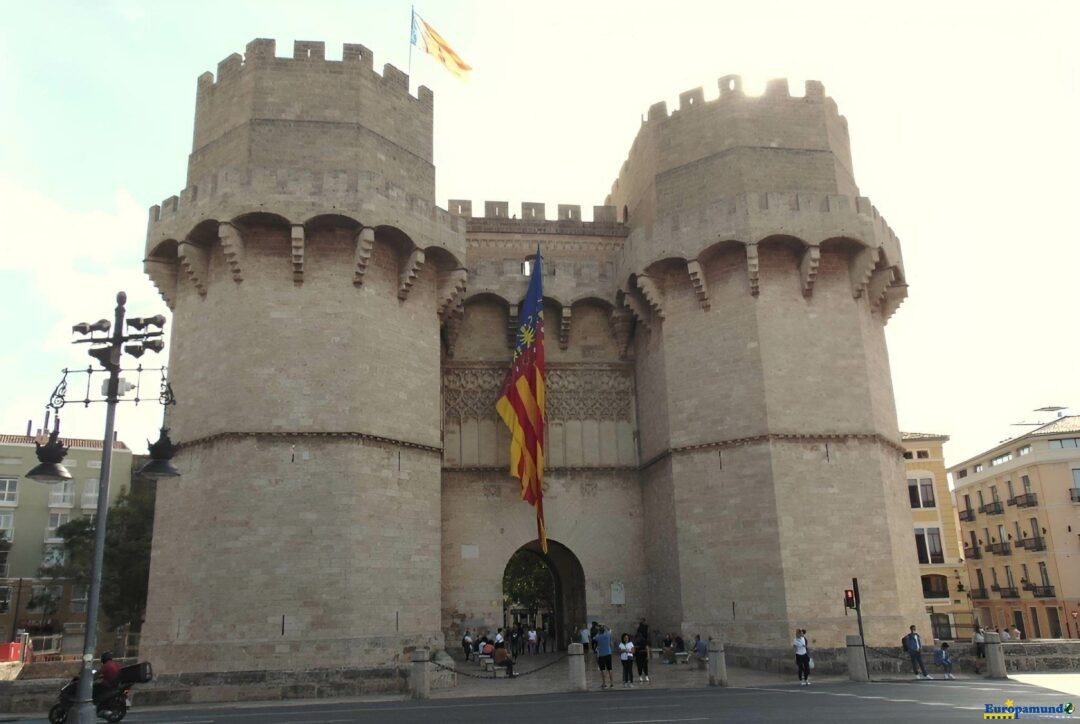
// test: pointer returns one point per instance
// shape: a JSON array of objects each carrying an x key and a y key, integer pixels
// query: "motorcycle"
[{"x": 111, "y": 703}]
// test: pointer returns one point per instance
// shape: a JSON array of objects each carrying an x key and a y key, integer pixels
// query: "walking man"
[{"x": 913, "y": 645}]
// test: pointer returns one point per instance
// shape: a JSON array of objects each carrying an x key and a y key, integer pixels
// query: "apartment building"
[
  {"x": 937, "y": 536},
  {"x": 30, "y": 513},
  {"x": 1019, "y": 510}
]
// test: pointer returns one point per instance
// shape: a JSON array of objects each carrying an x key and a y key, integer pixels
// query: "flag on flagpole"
[
  {"x": 427, "y": 39},
  {"x": 521, "y": 404}
]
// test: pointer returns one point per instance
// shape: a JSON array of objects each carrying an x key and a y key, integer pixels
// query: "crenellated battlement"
[
  {"x": 355, "y": 58},
  {"x": 533, "y": 218},
  {"x": 734, "y": 142}
]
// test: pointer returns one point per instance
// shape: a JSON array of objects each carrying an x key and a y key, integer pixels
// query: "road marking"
[
  {"x": 858, "y": 696},
  {"x": 651, "y": 721}
]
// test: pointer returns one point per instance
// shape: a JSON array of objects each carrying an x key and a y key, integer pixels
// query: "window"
[
  {"x": 967, "y": 502},
  {"x": 78, "y": 599},
  {"x": 979, "y": 576},
  {"x": 908, "y": 455},
  {"x": 1027, "y": 483},
  {"x": 1024, "y": 577},
  {"x": 1009, "y": 577},
  {"x": 1044, "y": 574},
  {"x": 923, "y": 454},
  {"x": 994, "y": 493},
  {"x": 63, "y": 494},
  {"x": 7, "y": 526},
  {"x": 55, "y": 521},
  {"x": 1024, "y": 450},
  {"x": 1054, "y": 621},
  {"x": 1067, "y": 442},
  {"x": 926, "y": 487},
  {"x": 44, "y": 599},
  {"x": 978, "y": 467},
  {"x": 913, "y": 492},
  {"x": 1036, "y": 629},
  {"x": 53, "y": 556},
  {"x": 1003, "y": 458},
  {"x": 993, "y": 578},
  {"x": 928, "y": 545},
  {"x": 4, "y": 564},
  {"x": 961, "y": 473},
  {"x": 90, "y": 493},
  {"x": 526, "y": 267},
  {"x": 1034, "y": 527},
  {"x": 1076, "y": 477},
  {"x": 1001, "y": 532},
  {"x": 1019, "y": 533},
  {"x": 1011, "y": 493},
  {"x": 982, "y": 503},
  {"x": 5, "y": 599},
  {"x": 935, "y": 586},
  {"x": 9, "y": 491}
]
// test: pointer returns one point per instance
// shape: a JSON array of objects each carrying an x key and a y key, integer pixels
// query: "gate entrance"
[{"x": 547, "y": 591}]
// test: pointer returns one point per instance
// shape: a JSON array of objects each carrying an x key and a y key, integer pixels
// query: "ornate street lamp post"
[{"x": 107, "y": 350}]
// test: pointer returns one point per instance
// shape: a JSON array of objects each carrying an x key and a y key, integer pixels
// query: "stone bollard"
[
  {"x": 717, "y": 664},
  {"x": 856, "y": 659},
  {"x": 995, "y": 657},
  {"x": 576, "y": 657},
  {"x": 419, "y": 681}
]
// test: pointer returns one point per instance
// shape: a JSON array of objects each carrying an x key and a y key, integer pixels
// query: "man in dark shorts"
[
  {"x": 603, "y": 657},
  {"x": 593, "y": 630}
]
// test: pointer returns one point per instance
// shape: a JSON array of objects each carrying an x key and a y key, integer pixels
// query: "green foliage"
[
  {"x": 527, "y": 582},
  {"x": 127, "y": 559}
]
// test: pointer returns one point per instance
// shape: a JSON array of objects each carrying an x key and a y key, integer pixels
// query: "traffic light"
[{"x": 849, "y": 598}]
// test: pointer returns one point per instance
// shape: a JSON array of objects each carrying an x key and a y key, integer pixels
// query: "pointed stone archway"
[{"x": 568, "y": 579}]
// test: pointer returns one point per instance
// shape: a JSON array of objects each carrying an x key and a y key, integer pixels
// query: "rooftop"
[
  {"x": 915, "y": 436},
  {"x": 71, "y": 442},
  {"x": 1068, "y": 425}
]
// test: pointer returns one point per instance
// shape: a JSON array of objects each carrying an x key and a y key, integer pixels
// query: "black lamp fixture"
[
  {"x": 50, "y": 458},
  {"x": 161, "y": 455}
]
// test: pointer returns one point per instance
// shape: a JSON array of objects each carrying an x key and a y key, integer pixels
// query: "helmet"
[{"x": 107, "y": 656}]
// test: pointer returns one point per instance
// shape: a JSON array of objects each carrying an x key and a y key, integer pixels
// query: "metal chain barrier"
[{"x": 492, "y": 676}]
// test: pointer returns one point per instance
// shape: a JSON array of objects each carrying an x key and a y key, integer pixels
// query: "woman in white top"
[
  {"x": 626, "y": 656},
  {"x": 533, "y": 649},
  {"x": 802, "y": 657}
]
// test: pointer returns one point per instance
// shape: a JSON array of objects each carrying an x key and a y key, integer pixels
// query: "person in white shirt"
[
  {"x": 533, "y": 641},
  {"x": 626, "y": 656},
  {"x": 499, "y": 637},
  {"x": 1016, "y": 634},
  {"x": 802, "y": 657},
  {"x": 585, "y": 638}
]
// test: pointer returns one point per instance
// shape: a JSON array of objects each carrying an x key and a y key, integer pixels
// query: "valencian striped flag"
[
  {"x": 521, "y": 405},
  {"x": 426, "y": 38}
]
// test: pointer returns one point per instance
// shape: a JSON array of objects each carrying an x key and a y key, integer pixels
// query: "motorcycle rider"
[{"x": 110, "y": 674}]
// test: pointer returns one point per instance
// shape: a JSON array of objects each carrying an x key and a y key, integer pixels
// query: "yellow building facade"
[
  {"x": 937, "y": 536},
  {"x": 1019, "y": 508}
]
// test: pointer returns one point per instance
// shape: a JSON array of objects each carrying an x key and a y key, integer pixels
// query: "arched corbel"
[
  {"x": 232, "y": 246},
  {"x": 163, "y": 275},
  {"x": 453, "y": 316},
  {"x": 701, "y": 285},
  {"x": 564, "y": 328},
  {"x": 753, "y": 268},
  {"x": 365, "y": 242},
  {"x": 622, "y": 326},
  {"x": 880, "y": 281},
  {"x": 409, "y": 272},
  {"x": 808, "y": 269},
  {"x": 861, "y": 269},
  {"x": 297, "y": 237},
  {"x": 195, "y": 262},
  {"x": 652, "y": 293},
  {"x": 451, "y": 286},
  {"x": 894, "y": 297}
]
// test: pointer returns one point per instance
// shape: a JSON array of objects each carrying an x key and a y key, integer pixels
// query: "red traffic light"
[{"x": 849, "y": 598}]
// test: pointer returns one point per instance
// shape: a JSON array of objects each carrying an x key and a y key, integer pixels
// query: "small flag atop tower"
[{"x": 426, "y": 38}]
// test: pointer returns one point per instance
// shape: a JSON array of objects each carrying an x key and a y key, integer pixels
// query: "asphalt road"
[{"x": 928, "y": 701}]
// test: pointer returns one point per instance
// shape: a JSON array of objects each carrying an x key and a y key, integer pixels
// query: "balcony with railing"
[
  {"x": 973, "y": 553},
  {"x": 1038, "y": 543},
  {"x": 1074, "y": 495},
  {"x": 967, "y": 515},
  {"x": 1009, "y": 592},
  {"x": 1043, "y": 591},
  {"x": 992, "y": 508},
  {"x": 979, "y": 593},
  {"x": 1000, "y": 549},
  {"x": 1027, "y": 500}
]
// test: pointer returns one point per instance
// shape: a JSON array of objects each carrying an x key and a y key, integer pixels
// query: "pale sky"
[{"x": 964, "y": 121}]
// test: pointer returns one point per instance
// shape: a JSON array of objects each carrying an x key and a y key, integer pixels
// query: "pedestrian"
[
  {"x": 641, "y": 654},
  {"x": 542, "y": 639},
  {"x": 466, "y": 644},
  {"x": 532, "y": 640},
  {"x": 499, "y": 638},
  {"x": 980, "y": 645},
  {"x": 802, "y": 657},
  {"x": 667, "y": 649},
  {"x": 1016, "y": 634},
  {"x": 642, "y": 630},
  {"x": 585, "y": 639},
  {"x": 603, "y": 657},
  {"x": 913, "y": 645},
  {"x": 1004, "y": 635},
  {"x": 944, "y": 660},
  {"x": 515, "y": 641},
  {"x": 593, "y": 631},
  {"x": 626, "y": 656},
  {"x": 503, "y": 658},
  {"x": 701, "y": 651}
]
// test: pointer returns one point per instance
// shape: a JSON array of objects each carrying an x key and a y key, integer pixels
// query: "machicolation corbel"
[
  {"x": 163, "y": 275},
  {"x": 701, "y": 285},
  {"x": 195, "y": 262},
  {"x": 365, "y": 242},
  {"x": 622, "y": 326},
  {"x": 232, "y": 246},
  {"x": 297, "y": 239},
  {"x": 753, "y": 268},
  {"x": 808, "y": 268},
  {"x": 451, "y": 288},
  {"x": 652, "y": 294},
  {"x": 409, "y": 272},
  {"x": 564, "y": 328},
  {"x": 862, "y": 266},
  {"x": 512, "y": 325}
]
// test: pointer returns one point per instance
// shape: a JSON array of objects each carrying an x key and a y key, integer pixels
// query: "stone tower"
[
  {"x": 723, "y": 453},
  {"x": 307, "y": 268},
  {"x": 760, "y": 283}
]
